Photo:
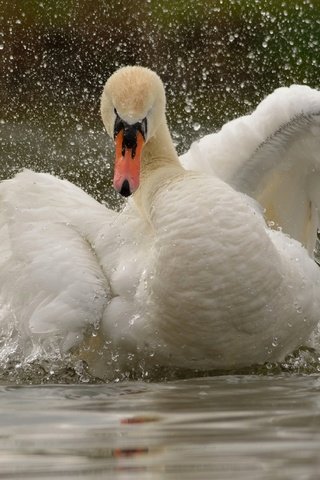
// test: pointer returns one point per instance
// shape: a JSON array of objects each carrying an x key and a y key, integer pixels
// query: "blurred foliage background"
[{"x": 217, "y": 58}]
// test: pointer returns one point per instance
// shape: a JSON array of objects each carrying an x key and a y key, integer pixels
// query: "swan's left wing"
[
  {"x": 283, "y": 174},
  {"x": 273, "y": 155}
]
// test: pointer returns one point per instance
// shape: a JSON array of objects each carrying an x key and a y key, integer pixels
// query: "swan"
[{"x": 208, "y": 265}]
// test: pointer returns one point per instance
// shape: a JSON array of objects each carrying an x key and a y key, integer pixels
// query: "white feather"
[{"x": 188, "y": 274}]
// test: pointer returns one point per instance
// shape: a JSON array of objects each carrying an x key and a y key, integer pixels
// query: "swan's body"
[{"x": 188, "y": 274}]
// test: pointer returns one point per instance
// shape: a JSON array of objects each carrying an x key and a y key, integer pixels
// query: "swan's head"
[{"x": 132, "y": 107}]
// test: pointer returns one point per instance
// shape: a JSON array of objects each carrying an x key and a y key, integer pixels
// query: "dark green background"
[{"x": 218, "y": 59}]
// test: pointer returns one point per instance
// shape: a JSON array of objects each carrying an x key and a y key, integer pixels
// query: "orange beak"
[{"x": 127, "y": 163}]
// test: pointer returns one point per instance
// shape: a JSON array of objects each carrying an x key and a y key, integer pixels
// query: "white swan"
[{"x": 188, "y": 274}]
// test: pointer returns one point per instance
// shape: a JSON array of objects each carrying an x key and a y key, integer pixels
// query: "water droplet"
[
  {"x": 196, "y": 126},
  {"x": 133, "y": 319}
]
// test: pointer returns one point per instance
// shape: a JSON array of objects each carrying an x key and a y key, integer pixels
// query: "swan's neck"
[
  {"x": 159, "y": 151},
  {"x": 159, "y": 163}
]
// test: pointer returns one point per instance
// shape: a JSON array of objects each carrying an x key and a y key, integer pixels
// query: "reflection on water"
[{"x": 244, "y": 427}]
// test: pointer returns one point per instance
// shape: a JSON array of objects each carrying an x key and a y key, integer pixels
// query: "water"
[{"x": 224, "y": 427}]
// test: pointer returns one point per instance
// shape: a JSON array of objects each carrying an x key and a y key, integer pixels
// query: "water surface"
[{"x": 224, "y": 427}]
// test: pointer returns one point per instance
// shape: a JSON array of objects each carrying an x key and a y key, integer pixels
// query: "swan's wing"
[
  {"x": 284, "y": 176},
  {"x": 67, "y": 263},
  {"x": 273, "y": 155},
  {"x": 51, "y": 282}
]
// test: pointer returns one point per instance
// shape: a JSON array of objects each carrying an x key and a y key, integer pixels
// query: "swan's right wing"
[
  {"x": 51, "y": 283},
  {"x": 68, "y": 265}
]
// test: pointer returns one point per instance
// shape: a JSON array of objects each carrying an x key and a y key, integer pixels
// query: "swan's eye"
[{"x": 115, "y": 111}]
